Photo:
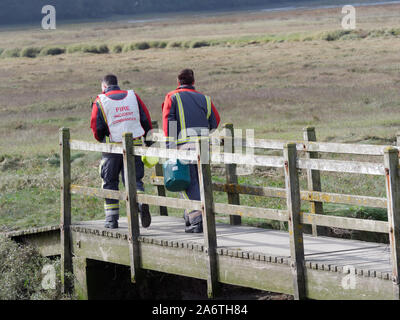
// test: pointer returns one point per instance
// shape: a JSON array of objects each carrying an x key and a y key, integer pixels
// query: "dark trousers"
[
  {"x": 111, "y": 166},
  {"x": 193, "y": 191}
]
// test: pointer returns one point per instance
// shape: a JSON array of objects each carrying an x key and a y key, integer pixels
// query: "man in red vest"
[
  {"x": 187, "y": 115},
  {"x": 115, "y": 112}
]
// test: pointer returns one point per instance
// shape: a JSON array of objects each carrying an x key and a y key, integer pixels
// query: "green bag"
[{"x": 176, "y": 175}]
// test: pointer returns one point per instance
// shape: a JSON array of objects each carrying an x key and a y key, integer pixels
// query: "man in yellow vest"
[
  {"x": 115, "y": 112},
  {"x": 187, "y": 114}
]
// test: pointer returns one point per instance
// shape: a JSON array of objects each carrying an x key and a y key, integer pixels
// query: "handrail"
[
  {"x": 240, "y": 159},
  {"x": 307, "y": 146},
  {"x": 289, "y": 162}
]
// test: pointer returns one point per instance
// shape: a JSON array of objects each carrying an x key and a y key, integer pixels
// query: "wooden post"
[
  {"x": 80, "y": 278},
  {"x": 65, "y": 212},
  {"x": 159, "y": 173},
  {"x": 207, "y": 203},
  {"x": 230, "y": 171},
  {"x": 398, "y": 139},
  {"x": 295, "y": 227},
  {"x": 391, "y": 160},
  {"x": 132, "y": 211},
  {"x": 313, "y": 177}
]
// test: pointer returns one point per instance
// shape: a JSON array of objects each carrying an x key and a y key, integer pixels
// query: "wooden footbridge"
[{"x": 304, "y": 265}]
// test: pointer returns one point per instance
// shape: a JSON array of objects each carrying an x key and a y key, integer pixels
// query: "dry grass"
[{"x": 348, "y": 89}]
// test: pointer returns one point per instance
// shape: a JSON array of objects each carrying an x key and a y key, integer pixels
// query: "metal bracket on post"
[
  {"x": 132, "y": 211},
  {"x": 207, "y": 203},
  {"x": 294, "y": 224},
  {"x": 65, "y": 212}
]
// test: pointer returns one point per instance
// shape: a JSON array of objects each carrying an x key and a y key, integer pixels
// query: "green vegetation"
[
  {"x": 21, "y": 273},
  {"x": 117, "y": 48},
  {"x": 32, "y": 52},
  {"x": 11, "y": 53},
  {"x": 87, "y": 48},
  {"x": 51, "y": 51}
]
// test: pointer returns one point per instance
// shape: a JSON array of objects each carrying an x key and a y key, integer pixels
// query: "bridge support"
[
  {"x": 80, "y": 278},
  {"x": 294, "y": 224}
]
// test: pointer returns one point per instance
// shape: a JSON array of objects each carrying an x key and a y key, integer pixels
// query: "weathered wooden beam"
[
  {"x": 344, "y": 223},
  {"x": 139, "y": 151},
  {"x": 313, "y": 176},
  {"x": 325, "y": 147},
  {"x": 230, "y": 172},
  {"x": 158, "y": 170},
  {"x": 65, "y": 212},
  {"x": 208, "y": 213},
  {"x": 80, "y": 278},
  {"x": 393, "y": 208},
  {"x": 98, "y": 147},
  {"x": 342, "y": 166},
  {"x": 99, "y": 193},
  {"x": 309, "y": 146},
  {"x": 142, "y": 198},
  {"x": 132, "y": 211},
  {"x": 188, "y": 155},
  {"x": 232, "y": 158},
  {"x": 325, "y": 197},
  {"x": 170, "y": 202},
  {"x": 247, "y": 159},
  {"x": 251, "y": 212},
  {"x": 294, "y": 221}
]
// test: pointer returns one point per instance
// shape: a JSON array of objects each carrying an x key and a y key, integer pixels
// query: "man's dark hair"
[
  {"x": 186, "y": 77},
  {"x": 110, "y": 80}
]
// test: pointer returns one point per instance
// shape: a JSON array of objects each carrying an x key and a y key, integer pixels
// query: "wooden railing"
[{"x": 289, "y": 162}]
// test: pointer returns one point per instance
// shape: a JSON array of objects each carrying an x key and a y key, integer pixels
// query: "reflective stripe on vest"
[
  {"x": 122, "y": 116},
  {"x": 181, "y": 116},
  {"x": 208, "y": 99}
]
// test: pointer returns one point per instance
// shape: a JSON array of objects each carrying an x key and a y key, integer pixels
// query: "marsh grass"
[{"x": 249, "y": 40}]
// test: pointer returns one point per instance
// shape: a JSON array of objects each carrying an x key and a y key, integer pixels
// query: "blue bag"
[{"x": 176, "y": 175}]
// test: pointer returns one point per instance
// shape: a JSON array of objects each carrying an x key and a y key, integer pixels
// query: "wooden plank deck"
[{"x": 318, "y": 250}]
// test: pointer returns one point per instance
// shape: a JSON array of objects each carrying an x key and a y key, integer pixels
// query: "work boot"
[
  {"x": 195, "y": 220},
  {"x": 145, "y": 216},
  {"x": 112, "y": 222},
  {"x": 186, "y": 218},
  {"x": 196, "y": 228}
]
